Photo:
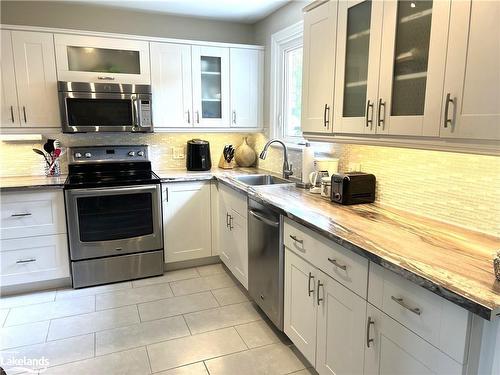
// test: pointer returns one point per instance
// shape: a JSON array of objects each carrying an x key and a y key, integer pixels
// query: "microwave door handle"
[{"x": 136, "y": 112}]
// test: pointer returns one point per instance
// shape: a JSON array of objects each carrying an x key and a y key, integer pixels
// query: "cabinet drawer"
[
  {"x": 440, "y": 322},
  {"x": 25, "y": 260},
  {"x": 348, "y": 268},
  {"x": 27, "y": 214}
]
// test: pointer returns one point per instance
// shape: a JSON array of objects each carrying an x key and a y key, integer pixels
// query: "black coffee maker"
[{"x": 198, "y": 155}]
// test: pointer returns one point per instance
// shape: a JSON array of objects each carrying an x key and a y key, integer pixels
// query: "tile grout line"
[
  {"x": 187, "y": 325},
  {"x": 149, "y": 360},
  {"x": 48, "y": 330},
  {"x": 206, "y": 367}
]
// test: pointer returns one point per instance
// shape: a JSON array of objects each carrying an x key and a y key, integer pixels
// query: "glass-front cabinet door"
[
  {"x": 357, "y": 69},
  {"x": 210, "y": 66},
  {"x": 94, "y": 59},
  {"x": 412, "y": 67}
]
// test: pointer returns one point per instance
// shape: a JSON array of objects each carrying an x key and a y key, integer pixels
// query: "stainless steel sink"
[{"x": 261, "y": 179}]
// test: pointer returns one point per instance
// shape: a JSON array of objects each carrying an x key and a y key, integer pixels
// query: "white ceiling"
[{"x": 245, "y": 11}]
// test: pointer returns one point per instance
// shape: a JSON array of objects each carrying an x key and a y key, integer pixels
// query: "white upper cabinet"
[
  {"x": 36, "y": 79},
  {"x": 471, "y": 97},
  {"x": 412, "y": 67},
  {"x": 357, "y": 69},
  {"x": 246, "y": 77},
  {"x": 210, "y": 67},
  {"x": 171, "y": 85},
  {"x": 318, "y": 68},
  {"x": 95, "y": 59},
  {"x": 9, "y": 109}
]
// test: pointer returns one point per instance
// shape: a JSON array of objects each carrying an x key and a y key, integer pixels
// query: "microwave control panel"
[{"x": 145, "y": 113}]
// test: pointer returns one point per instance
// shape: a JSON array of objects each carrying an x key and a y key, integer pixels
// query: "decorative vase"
[{"x": 245, "y": 155}]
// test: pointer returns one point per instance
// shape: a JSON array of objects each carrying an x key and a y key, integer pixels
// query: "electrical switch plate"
[{"x": 178, "y": 152}]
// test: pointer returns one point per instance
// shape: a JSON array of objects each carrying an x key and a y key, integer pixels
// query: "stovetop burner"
[{"x": 108, "y": 166}]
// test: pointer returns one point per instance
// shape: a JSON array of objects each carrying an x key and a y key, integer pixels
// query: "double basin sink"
[{"x": 261, "y": 179}]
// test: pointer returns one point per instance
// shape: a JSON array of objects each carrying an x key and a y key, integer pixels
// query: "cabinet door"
[
  {"x": 186, "y": 221},
  {"x": 171, "y": 85},
  {"x": 225, "y": 238},
  {"x": 239, "y": 243},
  {"x": 393, "y": 349},
  {"x": 341, "y": 317},
  {"x": 318, "y": 68},
  {"x": 357, "y": 69},
  {"x": 36, "y": 78},
  {"x": 246, "y": 79},
  {"x": 300, "y": 305},
  {"x": 84, "y": 58},
  {"x": 9, "y": 109},
  {"x": 210, "y": 86},
  {"x": 412, "y": 67},
  {"x": 471, "y": 100}
]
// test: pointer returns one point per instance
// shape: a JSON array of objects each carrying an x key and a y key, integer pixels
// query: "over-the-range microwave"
[{"x": 105, "y": 107}]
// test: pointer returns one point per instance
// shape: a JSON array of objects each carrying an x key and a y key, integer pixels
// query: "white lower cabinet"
[
  {"x": 34, "y": 244},
  {"x": 300, "y": 305},
  {"x": 324, "y": 319},
  {"x": 341, "y": 317},
  {"x": 393, "y": 349},
  {"x": 233, "y": 232},
  {"x": 186, "y": 221}
]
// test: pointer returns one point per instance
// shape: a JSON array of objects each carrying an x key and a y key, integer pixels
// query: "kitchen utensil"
[
  {"x": 49, "y": 146},
  {"x": 496, "y": 265},
  {"x": 40, "y": 152},
  {"x": 226, "y": 159}
]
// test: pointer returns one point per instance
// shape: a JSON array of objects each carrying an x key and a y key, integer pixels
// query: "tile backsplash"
[
  {"x": 461, "y": 189},
  {"x": 18, "y": 159}
]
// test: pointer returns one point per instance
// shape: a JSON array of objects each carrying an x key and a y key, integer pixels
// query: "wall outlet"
[
  {"x": 354, "y": 167},
  {"x": 177, "y": 152}
]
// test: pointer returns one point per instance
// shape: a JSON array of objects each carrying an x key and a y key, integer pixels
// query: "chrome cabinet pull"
[
  {"x": 234, "y": 117},
  {"x": 326, "y": 116},
  {"x": 309, "y": 290},
  {"x": 401, "y": 302},
  {"x": 369, "y": 119},
  {"x": 317, "y": 296},
  {"x": 296, "y": 239},
  {"x": 12, "y": 113},
  {"x": 22, "y": 261},
  {"x": 227, "y": 220},
  {"x": 24, "y": 113},
  {"x": 106, "y": 78},
  {"x": 21, "y": 215},
  {"x": 231, "y": 227},
  {"x": 381, "y": 120},
  {"x": 368, "y": 324},
  {"x": 337, "y": 264},
  {"x": 447, "y": 110},
  {"x": 166, "y": 193},
  {"x": 189, "y": 116},
  {"x": 197, "y": 117}
]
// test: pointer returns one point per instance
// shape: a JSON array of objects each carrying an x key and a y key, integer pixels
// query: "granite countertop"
[
  {"x": 450, "y": 261},
  {"x": 31, "y": 182}
]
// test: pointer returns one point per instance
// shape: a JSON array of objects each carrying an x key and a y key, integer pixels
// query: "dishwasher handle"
[{"x": 264, "y": 219}]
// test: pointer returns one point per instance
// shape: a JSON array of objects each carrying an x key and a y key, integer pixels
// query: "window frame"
[{"x": 282, "y": 41}]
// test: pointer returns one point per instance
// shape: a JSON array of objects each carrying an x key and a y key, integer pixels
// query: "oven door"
[
  {"x": 105, "y": 112},
  {"x": 113, "y": 221}
]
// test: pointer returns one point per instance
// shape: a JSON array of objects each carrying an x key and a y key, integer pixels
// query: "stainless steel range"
[{"x": 113, "y": 210}]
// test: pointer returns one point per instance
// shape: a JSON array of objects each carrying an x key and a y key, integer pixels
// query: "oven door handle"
[{"x": 115, "y": 190}]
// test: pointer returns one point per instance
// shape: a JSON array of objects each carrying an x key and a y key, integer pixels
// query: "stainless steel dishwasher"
[{"x": 266, "y": 260}]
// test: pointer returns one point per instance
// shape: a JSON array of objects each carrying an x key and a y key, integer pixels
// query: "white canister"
[{"x": 326, "y": 187}]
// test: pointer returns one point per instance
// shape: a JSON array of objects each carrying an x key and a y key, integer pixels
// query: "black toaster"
[{"x": 353, "y": 188}]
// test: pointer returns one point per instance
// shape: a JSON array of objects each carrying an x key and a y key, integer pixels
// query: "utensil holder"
[
  {"x": 496, "y": 265},
  {"x": 55, "y": 171}
]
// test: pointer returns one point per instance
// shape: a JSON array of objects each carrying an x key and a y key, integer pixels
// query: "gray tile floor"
[{"x": 193, "y": 321}]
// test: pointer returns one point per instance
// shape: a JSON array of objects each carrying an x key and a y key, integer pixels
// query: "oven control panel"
[{"x": 96, "y": 154}]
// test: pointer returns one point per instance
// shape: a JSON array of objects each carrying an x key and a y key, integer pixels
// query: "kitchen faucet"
[{"x": 287, "y": 167}]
